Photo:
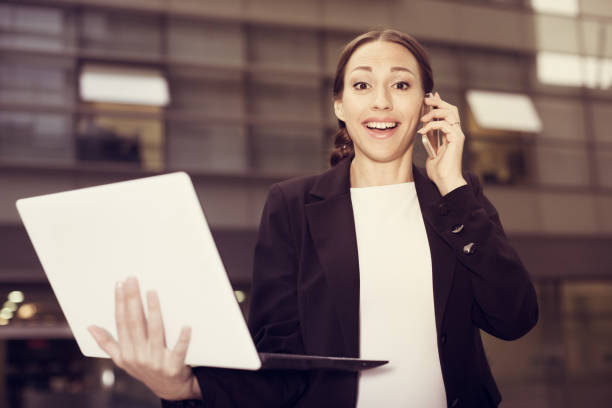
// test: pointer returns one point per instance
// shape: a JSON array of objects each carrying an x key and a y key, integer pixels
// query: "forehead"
[{"x": 382, "y": 55}]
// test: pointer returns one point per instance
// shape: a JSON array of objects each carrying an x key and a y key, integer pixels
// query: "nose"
[{"x": 382, "y": 100}]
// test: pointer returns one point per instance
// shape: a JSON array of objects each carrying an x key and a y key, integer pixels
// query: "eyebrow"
[{"x": 393, "y": 69}]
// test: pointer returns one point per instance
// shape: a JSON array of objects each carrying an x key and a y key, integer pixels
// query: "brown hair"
[{"x": 343, "y": 145}]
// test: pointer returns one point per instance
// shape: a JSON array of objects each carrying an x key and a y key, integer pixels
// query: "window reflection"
[
  {"x": 112, "y": 135},
  {"x": 497, "y": 156}
]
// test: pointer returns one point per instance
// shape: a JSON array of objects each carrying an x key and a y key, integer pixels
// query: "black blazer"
[{"x": 305, "y": 293}]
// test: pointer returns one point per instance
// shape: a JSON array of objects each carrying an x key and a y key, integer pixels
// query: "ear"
[{"x": 338, "y": 109}]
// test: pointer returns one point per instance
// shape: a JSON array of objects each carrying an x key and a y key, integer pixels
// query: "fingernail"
[{"x": 151, "y": 297}]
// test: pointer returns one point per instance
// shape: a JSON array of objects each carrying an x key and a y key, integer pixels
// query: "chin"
[{"x": 385, "y": 155}]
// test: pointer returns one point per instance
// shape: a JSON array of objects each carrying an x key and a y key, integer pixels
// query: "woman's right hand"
[{"x": 141, "y": 349}]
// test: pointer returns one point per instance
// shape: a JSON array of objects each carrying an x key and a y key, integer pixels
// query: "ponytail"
[{"x": 343, "y": 145}]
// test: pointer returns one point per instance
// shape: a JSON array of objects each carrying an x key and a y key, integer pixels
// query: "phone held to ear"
[{"x": 432, "y": 140}]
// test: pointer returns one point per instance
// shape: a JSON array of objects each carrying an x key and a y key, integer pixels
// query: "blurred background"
[{"x": 238, "y": 94}]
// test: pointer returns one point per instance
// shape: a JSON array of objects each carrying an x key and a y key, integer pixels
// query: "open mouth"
[{"x": 381, "y": 125}]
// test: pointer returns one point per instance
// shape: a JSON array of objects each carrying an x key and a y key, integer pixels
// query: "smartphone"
[{"x": 432, "y": 140}]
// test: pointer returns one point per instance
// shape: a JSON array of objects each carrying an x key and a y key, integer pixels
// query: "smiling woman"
[
  {"x": 418, "y": 71},
  {"x": 373, "y": 258}
]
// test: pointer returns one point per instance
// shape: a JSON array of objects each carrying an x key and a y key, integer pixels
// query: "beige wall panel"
[
  {"x": 278, "y": 102},
  {"x": 218, "y": 8},
  {"x": 514, "y": 361},
  {"x": 286, "y": 151},
  {"x": 566, "y": 213},
  {"x": 489, "y": 26},
  {"x": 334, "y": 43},
  {"x": 463, "y": 23},
  {"x": 590, "y": 43},
  {"x": 602, "y": 121},
  {"x": 207, "y": 148},
  {"x": 359, "y": 15},
  {"x": 36, "y": 28},
  {"x": 445, "y": 66},
  {"x": 492, "y": 71},
  {"x": 153, "y": 5},
  {"x": 603, "y": 214},
  {"x": 604, "y": 168},
  {"x": 556, "y": 33},
  {"x": 206, "y": 42},
  {"x": 82, "y": 180},
  {"x": 259, "y": 194},
  {"x": 227, "y": 205},
  {"x": 330, "y": 116},
  {"x": 15, "y": 186},
  {"x": 518, "y": 209},
  {"x": 535, "y": 86},
  {"x": 599, "y": 8},
  {"x": 273, "y": 47},
  {"x": 285, "y": 11},
  {"x": 561, "y": 118},
  {"x": 426, "y": 20},
  {"x": 607, "y": 51},
  {"x": 562, "y": 166}
]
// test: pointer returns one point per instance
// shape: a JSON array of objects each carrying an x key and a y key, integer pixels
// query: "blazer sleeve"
[
  {"x": 505, "y": 303},
  {"x": 273, "y": 323}
]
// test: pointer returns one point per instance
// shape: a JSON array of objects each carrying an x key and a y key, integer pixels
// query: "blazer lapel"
[
  {"x": 442, "y": 254},
  {"x": 332, "y": 227}
]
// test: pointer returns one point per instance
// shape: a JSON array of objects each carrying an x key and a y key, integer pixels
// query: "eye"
[
  {"x": 361, "y": 85},
  {"x": 402, "y": 85}
]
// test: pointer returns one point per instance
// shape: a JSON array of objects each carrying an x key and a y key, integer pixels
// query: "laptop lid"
[{"x": 152, "y": 228}]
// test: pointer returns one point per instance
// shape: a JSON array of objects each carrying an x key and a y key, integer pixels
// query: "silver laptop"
[{"x": 152, "y": 228}]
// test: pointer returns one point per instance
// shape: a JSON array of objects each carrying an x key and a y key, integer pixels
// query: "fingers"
[
  {"x": 438, "y": 103},
  {"x": 442, "y": 113},
  {"x": 156, "y": 331},
  {"x": 126, "y": 347},
  {"x": 136, "y": 320},
  {"x": 439, "y": 154},
  {"x": 106, "y": 343},
  {"x": 449, "y": 129},
  {"x": 179, "y": 352}
]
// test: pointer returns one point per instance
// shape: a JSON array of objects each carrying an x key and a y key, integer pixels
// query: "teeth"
[{"x": 381, "y": 125}]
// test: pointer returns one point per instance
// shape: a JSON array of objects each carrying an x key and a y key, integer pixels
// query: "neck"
[{"x": 369, "y": 173}]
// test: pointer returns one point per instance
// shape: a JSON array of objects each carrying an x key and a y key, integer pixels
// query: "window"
[{"x": 120, "y": 116}]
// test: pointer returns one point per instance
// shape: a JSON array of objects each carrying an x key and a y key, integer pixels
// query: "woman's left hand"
[{"x": 445, "y": 168}]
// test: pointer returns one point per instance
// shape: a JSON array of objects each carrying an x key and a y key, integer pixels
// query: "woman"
[{"x": 373, "y": 258}]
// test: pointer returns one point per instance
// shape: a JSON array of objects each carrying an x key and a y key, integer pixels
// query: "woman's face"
[{"x": 381, "y": 102}]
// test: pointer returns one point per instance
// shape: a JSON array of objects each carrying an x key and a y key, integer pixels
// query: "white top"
[{"x": 397, "y": 319}]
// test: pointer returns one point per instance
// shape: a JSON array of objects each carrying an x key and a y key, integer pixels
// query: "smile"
[
  {"x": 381, "y": 128},
  {"x": 381, "y": 125}
]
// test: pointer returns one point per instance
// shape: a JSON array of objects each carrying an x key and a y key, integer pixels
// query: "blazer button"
[
  {"x": 443, "y": 339},
  {"x": 469, "y": 249},
  {"x": 455, "y": 402},
  {"x": 457, "y": 229},
  {"x": 443, "y": 209}
]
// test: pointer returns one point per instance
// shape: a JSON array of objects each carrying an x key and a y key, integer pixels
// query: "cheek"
[{"x": 351, "y": 107}]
